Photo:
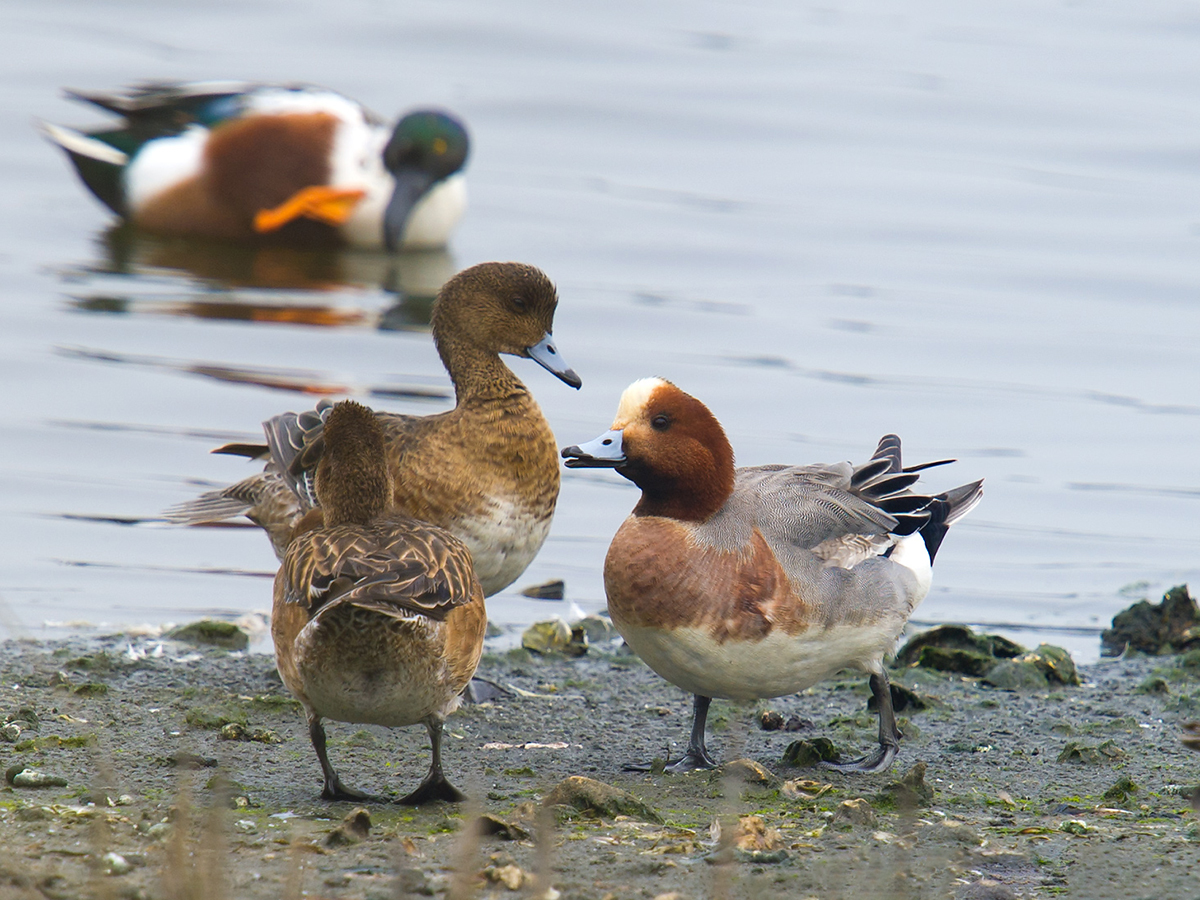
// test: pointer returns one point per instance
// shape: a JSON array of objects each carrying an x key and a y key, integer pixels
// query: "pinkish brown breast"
[{"x": 657, "y": 576}]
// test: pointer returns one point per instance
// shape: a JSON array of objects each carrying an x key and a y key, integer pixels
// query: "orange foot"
[{"x": 332, "y": 205}]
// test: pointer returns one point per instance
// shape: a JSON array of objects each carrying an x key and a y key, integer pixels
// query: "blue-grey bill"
[
  {"x": 604, "y": 452},
  {"x": 545, "y": 354}
]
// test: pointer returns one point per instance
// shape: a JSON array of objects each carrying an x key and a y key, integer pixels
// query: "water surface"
[{"x": 977, "y": 226}]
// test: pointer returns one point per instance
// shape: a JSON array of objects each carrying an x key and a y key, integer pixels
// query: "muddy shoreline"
[{"x": 190, "y": 774}]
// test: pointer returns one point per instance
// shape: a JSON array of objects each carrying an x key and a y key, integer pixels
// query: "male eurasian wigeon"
[
  {"x": 279, "y": 162},
  {"x": 378, "y": 618},
  {"x": 760, "y": 582},
  {"x": 487, "y": 470}
]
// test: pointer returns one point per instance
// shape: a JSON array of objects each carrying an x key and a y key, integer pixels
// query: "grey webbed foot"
[
  {"x": 434, "y": 787},
  {"x": 696, "y": 756},
  {"x": 889, "y": 734}
]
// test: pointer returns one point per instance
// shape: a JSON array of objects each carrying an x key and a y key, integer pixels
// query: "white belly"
[
  {"x": 502, "y": 543},
  {"x": 776, "y": 666}
]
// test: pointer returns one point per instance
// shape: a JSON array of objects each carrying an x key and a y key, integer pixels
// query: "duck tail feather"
[{"x": 945, "y": 510}]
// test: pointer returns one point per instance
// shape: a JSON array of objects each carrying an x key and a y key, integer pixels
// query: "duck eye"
[
  {"x": 660, "y": 422},
  {"x": 518, "y": 302}
]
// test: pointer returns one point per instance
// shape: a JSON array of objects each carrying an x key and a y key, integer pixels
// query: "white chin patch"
[{"x": 634, "y": 400}]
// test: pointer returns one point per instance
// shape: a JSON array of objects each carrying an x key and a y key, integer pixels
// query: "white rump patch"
[
  {"x": 910, "y": 552},
  {"x": 163, "y": 163}
]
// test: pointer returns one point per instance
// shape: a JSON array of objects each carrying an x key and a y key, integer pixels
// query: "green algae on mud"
[{"x": 1003, "y": 813}]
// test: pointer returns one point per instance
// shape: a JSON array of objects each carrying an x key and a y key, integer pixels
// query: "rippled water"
[{"x": 977, "y": 225}]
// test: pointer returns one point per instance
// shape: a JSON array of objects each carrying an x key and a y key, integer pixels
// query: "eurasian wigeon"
[
  {"x": 760, "y": 582},
  {"x": 281, "y": 162},
  {"x": 487, "y": 470},
  {"x": 378, "y": 618}
]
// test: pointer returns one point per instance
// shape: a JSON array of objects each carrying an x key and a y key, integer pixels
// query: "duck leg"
[
  {"x": 435, "y": 786},
  {"x": 889, "y": 734},
  {"x": 334, "y": 789},
  {"x": 696, "y": 756}
]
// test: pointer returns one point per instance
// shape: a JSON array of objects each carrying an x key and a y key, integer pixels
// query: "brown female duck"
[
  {"x": 486, "y": 470},
  {"x": 378, "y": 618}
]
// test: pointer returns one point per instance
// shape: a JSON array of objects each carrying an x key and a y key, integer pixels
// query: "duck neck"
[
  {"x": 479, "y": 375},
  {"x": 691, "y": 500}
]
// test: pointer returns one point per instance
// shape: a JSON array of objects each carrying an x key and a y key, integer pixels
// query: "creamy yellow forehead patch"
[{"x": 634, "y": 400}]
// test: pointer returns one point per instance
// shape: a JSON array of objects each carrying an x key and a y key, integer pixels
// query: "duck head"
[
  {"x": 500, "y": 308},
  {"x": 670, "y": 445},
  {"x": 425, "y": 148},
  {"x": 353, "y": 483}
]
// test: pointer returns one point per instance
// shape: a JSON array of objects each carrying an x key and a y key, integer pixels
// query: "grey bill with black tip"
[
  {"x": 545, "y": 354},
  {"x": 605, "y": 452}
]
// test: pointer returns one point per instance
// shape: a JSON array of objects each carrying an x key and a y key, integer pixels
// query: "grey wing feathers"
[
  {"x": 295, "y": 442},
  {"x": 808, "y": 505},
  {"x": 845, "y": 512},
  {"x": 265, "y": 498}
]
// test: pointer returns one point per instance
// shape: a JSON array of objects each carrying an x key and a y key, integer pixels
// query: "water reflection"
[
  {"x": 300, "y": 381},
  {"x": 277, "y": 284}
]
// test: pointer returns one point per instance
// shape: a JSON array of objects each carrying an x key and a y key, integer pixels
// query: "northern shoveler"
[
  {"x": 486, "y": 470},
  {"x": 378, "y": 618},
  {"x": 271, "y": 162},
  {"x": 760, "y": 582}
]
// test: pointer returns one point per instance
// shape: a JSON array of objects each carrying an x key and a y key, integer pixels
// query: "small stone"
[
  {"x": 549, "y": 636},
  {"x": 354, "y": 828},
  {"x": 748, "y": 771},
  {"x": 187, "y": 760},
  {"x": 1016, "y": 675},
  {"x": 1076, "y": 752},
  {"x": 911, "y": 791},
  {"x": 20, "y": 777},
  {"x": 802, "y": 789},
  {"x": 795, "y": 723},
  {"x": 597, "y": 628},
  {"x": 1121, "y": 791},
  {"x": 1056, "y": 664},
  {"x": 211, "y": 633},
  {"x": 1075, "y": 826},
  {"x": 770, "y": 720},
  {"x": 589, "y": 795},
  {"x": 1153, "y": 685},
  {"x": 511, "y": 876},
  {"x": 490, "y": 826},
  {"x": 548, "y": 590},
  {"x": 988, "y": 647},
  {"x": 753, "y": 834},
  {"x": 952, "y": 831},
  {"x": 855, "y": 812},
  {"x": 803, "y": 754},
  {"x": 1153, "y": 628},
  {"x": 965, "y": 662},
  {"x": 116, "y": 864},
  {"x": 234, "y": 731},
  {"x": 10, "y": 733}
]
